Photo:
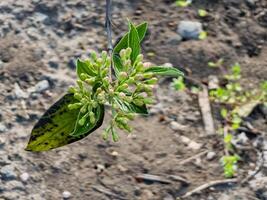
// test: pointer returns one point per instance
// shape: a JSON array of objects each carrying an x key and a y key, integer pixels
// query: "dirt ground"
[{"x": 39, "y": 42}]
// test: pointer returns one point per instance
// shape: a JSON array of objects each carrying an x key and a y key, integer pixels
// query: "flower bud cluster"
[{"x": 133, "y": 86}]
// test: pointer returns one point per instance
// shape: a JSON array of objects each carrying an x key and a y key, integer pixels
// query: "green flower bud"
[
  {"x": 80, "y": 84},
  {"x": 94, "y": 56},
  {"x": 84, "y": 108},
  {"x": 90, "y": 81},
  {"x": 111, "y": 91},
  {"x": 94, "y": 104},
  {"x": 122, "y": 95},
  {"x": 83, "y": 100},
  {"x": 130, "y": 116},
  {"x": 127, "y": 64},
  {"x": 104, "y": 55},
  {"x": 83, "y": 120},
  {"x": 123, "y": 53},
  {"x": 128, "y": 99},
  {"x": 104, "y": 72},
  {"x": 139, "y": 58},
  {"x": 108, "y": 63},
  {"x": 74, "y": 106},
  {"x": 123, "y": 75},
  {"x": 149, "y": 101},
  {"x": 148, "y": 75},
  {"x": 151, "y": 81},
  {"x": 123, "y": 87},
  {"x": 92, "y": 119},
  {"x": 106, "y": 81},
  {"x": 78, "y": 96},
  {"x": 115, "y": 136},
  {"x": 131, "y": 80},
  {"x": 105, "y": 135},
  {"x": 128, "y": 52},
  {"x": 72, "y": 90},
  {"x": 84, "y": 76},
  {"x": 139, "y": 67},
  {"x": 138, "y": 77},
  {"x": 138, "y": 102}
]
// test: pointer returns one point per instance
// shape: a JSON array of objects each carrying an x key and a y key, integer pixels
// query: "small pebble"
[
  {"x": 211, "y": 155},
  {"x": 24, "y": 177},
  {"x": 189, "y": 29},
  {"x": 66, "y": 194},
  {"x": 41, "y": 86},
  {"x": 177, "y": 127}
]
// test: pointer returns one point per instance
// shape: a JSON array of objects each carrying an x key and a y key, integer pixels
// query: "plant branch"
[{"x": 109, "y": 32}]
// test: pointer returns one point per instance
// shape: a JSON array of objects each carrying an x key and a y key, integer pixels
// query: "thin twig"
[
  {"x": 208, "y": 185},
  {"x": 193, "y": 157},
  {"x": 108, "y": 26}
]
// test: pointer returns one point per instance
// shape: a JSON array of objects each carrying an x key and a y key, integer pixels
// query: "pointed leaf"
[
  {"x": 164, "y": 71},
  {"x": 123, "y": 44},
  {"x": 55, "y": 126},
  {"x": 131, "y": 107},
  {"x": 134, "y": 42}
]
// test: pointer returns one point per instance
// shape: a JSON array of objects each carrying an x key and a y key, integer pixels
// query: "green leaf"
[
  {"x": 88, "y": 127},
  {"x": 123, "y": 44},
  {"x": 55, "y": 126},
  {"x": 164, "y": 71},
  {"x": 131, "y": 107},
  {"x": 83, "y": 67},
  {"x": 134, "y": 42}
]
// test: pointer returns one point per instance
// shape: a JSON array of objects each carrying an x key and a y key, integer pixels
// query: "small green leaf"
[
  {"x": 203, "y": 35},
  {"x": 134, "y": 42},
  {"x": 88, "y": 127},
  {"x": 123, "y": 44},
  {"x": 131, "y": 107},
  {"x": 83, "y": 67},
  {"x": 202, "y": 13},
  {"x": 164, "y": 71}
]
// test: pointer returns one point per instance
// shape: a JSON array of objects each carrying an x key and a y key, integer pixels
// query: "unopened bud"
[
  {"x": 122, "y": 53},
  {"x": 152, "y": 81},
  {"x": 84, "y": 109},
  {"x": 90, "y": 81},
  {"x": 104, "y": 55},
  {"x": 80, "y": 84},
  {"x": 83, "y": 120},
  {"x": 122, "y": 95},
  {"x": 139, "y": 67},
  {"x": 123, "y": 87},
  {"x": 128, "y": 52},
  {"x": 148, "y": 75},
  {"x": 78, "y": 96},
  {"x": 84, "y": 76},
  {"x": 74, "y": 106},
  {"x": 138, "y": 102},
  {"x": 94, "y": 55},
  {"x": 123, "y": 75},
  {"x": 72, "y": 89},
  {"x": 139, "y": 58}
]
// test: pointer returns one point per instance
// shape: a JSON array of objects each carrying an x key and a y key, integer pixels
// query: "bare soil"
[{"x": 37, "y": 34}]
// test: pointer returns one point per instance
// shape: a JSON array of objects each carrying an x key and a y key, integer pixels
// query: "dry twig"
[
  {"x": 208, "y": 185},
  {"x": 204, "y": 104}
]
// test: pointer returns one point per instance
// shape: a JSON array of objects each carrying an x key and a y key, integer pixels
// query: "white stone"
[
  {"x": 66, "y": 194},
  {"x": 24, "y": 177},
  {"x": 177, "y": 127},
  {"x": 189, "y": 29},
  {"x": 211, "y": 155},
  {"x": 41, "y": 86},
  {"x": 19, "y": 93}
]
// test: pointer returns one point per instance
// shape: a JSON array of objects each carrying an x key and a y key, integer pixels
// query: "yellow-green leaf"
[{"x": 54, "y": 128}]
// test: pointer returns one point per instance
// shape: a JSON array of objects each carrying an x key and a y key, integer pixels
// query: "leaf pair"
[{"x": 131, "y": 39}]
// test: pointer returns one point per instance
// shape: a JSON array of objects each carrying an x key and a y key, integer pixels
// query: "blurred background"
[{"x": 40, "y": 41}]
